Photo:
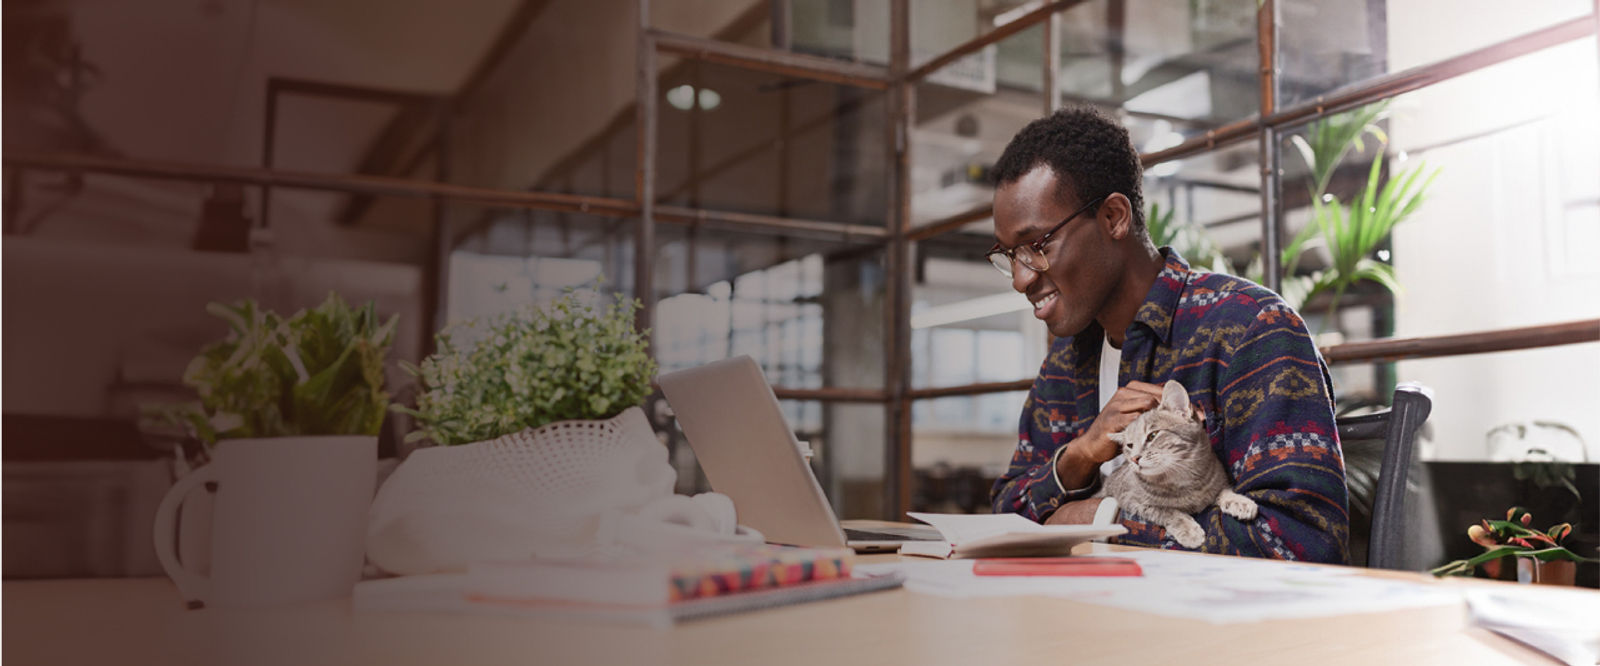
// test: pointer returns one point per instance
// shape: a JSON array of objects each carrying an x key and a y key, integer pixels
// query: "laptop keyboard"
[{"x": 890, "y": 534}]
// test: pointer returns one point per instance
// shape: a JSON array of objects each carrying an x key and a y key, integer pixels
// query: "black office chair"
[{"x": 1392, "y": 433}]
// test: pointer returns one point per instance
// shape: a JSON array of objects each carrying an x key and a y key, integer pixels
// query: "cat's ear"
[{"x": 1174, "y": 397}]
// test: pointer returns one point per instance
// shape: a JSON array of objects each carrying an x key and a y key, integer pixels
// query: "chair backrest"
[{"x": 1397, "y": 426}]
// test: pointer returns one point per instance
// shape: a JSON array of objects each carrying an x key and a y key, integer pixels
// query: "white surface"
[
  {"x": 287, "y": 522},
  {"x": 1563, "y": 623},
  {"x": 1215, "y": 589},
  {"x": 533, "y": 492}
]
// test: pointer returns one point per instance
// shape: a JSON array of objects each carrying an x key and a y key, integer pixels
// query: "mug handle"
[{"x": 194, "y": 587}]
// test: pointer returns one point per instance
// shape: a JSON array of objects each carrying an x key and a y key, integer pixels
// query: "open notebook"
[{"x": 1001, "y": 535}]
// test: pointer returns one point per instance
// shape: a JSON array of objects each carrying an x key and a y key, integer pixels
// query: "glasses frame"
[{"x": 1037, "y": 245}]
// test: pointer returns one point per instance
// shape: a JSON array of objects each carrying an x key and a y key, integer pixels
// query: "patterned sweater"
[{"x": 1247, "y": 358}]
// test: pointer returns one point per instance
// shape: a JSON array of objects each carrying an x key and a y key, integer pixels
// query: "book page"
[{"x": 960, "y": 528}]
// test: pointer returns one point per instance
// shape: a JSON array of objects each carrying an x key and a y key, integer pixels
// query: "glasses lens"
[
  {"x": 1032, "y": 260},
  {"x": 1001, "y": 262}
]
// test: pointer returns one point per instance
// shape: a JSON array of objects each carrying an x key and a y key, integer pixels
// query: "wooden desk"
[{"x": 112, "y": 622}]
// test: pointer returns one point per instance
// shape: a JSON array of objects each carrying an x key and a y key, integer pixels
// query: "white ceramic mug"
[{"x": 288, "y": 525}]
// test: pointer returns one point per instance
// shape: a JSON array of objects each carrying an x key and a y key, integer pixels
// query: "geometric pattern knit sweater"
[{"x": 1248, "y": 359}]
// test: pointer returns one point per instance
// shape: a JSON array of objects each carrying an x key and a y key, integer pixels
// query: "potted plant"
[
  {"x": 1539, "y": 555},
  {"x": 521, "y": 370},
  {"x": 317, "y": 372},
  {"x": 289, "y": 411},
  {"x": 536, "y": 429}
]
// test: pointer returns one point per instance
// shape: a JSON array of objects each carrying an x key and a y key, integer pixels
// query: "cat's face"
[{"x": 1167, "y": 444}]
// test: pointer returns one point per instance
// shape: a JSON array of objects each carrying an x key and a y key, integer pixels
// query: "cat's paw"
[
  {"x": 1237, "y": 505},
  {"x": 1187, "y": 532}
]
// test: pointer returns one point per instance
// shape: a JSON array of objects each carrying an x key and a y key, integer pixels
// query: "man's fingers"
[
  {"x": 1127, "y": 401},
  {"x": 1145, "y": 387},
  {"x": 1120, "y": 421}
]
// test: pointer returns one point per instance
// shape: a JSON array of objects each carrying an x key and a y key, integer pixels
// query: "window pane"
[
  {"x": 519, "y": 258},
  {"x": 968, "y": 325},
  {"x": 1327, "y": 46},
  {"x": 851, "y": 459},
  {"x": 794, "y": 305},
  {"x": 955, "y": 463},
  {"x": 1190, "y": 62},
  {"x": 937, "y": 27},
  {"x": 1513, "y": 152},
  {"x": 965, "y": 118},
  {"x": 1476, "y": 397},
  {"x": 843, "y": 29},
  {"x": 737, "y": 140},
  {"x": 1207, "y": 207}
]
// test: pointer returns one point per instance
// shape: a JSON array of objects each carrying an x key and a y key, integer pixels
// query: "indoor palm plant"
[
  {"x": 536, "y": 419},
  {"x": 1353, "y": 233}
]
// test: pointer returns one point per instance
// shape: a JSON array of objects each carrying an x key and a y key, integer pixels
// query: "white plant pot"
[
  {"x": 194, "y": 530},
  {"x": 535, "y": 492},
  {"x": 286, "y": 523}
]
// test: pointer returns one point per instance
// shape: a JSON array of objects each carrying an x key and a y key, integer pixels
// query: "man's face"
[{"x": 1082, "y": 272}]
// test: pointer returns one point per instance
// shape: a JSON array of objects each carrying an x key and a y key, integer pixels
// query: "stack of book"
[{"x": 659, "y": 589}]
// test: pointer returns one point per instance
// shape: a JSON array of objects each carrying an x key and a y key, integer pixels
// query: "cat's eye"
[{"x": 1150, "y": 437}]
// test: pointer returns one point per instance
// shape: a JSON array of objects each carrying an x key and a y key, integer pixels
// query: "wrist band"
[
  {"x": 1055, "y": 473},
  {"x": 1055, "y": 468}
]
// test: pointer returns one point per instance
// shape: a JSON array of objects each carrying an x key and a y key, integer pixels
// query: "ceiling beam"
[{"x": 388, "y": 154}]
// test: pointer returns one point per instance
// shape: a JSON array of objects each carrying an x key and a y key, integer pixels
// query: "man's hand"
[
  {"x": 1083, "y": 456},
  {"x": 1079, "y": 512}
]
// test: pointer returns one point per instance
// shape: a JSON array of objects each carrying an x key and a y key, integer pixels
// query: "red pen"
[{"x": 1057, "y": 566}]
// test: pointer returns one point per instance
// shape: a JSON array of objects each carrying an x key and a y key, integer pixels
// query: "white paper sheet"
[
  {"x": 1214, "y": 589},
  {"x": 1563, "y": 623}
]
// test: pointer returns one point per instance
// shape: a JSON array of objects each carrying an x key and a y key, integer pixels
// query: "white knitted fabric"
[{"x": 533, "y": 493}]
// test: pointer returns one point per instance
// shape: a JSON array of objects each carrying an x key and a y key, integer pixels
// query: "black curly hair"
[{"x": 1090, "y": 153}]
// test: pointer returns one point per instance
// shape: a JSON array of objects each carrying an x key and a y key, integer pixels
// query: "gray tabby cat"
[{"x": 1170, "y": 472}]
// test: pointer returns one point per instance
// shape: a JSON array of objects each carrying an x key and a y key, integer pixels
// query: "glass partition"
[
  {"x": 1514, "y": 186},
  {"x": 1192, "y": 63},
  {"x": 753, "y": 142},
  {"x": 794, "y": 305},
  {"x": 1325, "y": 47},
  {"x": 518, "y": 258}
]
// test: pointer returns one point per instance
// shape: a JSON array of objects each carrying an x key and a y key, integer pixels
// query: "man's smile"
[{"x": 1042, "y": 305}]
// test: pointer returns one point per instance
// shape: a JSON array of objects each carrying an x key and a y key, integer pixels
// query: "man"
[{"x": 1068, "y": 217}]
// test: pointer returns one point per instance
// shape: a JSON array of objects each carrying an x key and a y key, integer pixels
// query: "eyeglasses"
[{"x": 1032, "y": 254}]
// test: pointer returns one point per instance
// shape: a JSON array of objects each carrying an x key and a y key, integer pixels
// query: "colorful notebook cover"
[
  {"x": 659, "y": 578},
  {"x": 740, "y": 568}
]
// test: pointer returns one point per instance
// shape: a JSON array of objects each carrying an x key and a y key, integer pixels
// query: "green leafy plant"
[
  {"x": 1327, "y": 142},
  {"x": 1188, "y": 239},
  {"x": 1352, "y": 234},
  {"x": 1513, "y": 537},
  {"x": 504, "y": 374},
  {"x": 317, "y": 372}
]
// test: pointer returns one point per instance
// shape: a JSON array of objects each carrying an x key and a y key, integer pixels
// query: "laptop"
[{"x": 737, "y": 431}]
